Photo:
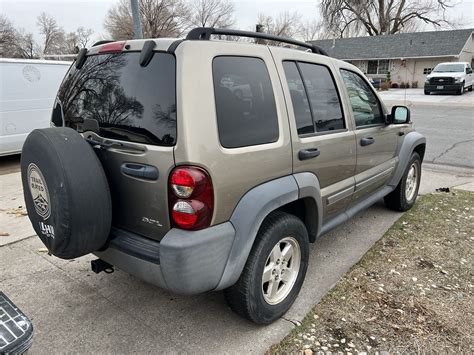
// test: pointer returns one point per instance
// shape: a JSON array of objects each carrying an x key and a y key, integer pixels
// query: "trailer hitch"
[{"x": 100, "y": 265}]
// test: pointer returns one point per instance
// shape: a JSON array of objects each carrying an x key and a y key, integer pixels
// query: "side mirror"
[
  {"x": 400, "y": 115},
  {"x": 468, "y": 71}
]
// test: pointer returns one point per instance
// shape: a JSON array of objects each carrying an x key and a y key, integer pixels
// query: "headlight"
[
  {"x": 427, "y": 81},
  {"x": 457, "y": 80}
]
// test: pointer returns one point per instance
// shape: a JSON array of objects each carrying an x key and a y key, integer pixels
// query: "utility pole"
[
  {"x": 259, "y": 28},
  {"x": 137, "y": 26}
]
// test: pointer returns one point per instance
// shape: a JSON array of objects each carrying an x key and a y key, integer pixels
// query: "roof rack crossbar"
[{"x": 205, "y": 33}]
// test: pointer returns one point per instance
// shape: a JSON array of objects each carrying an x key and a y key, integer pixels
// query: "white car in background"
[
  {"x": 452, "y": 76},
  {"x": 27, "y": 92}
]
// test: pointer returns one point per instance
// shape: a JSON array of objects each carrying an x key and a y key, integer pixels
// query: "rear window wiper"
[{"x": 112, "y": 144}]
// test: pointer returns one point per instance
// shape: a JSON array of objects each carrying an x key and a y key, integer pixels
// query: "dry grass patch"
[{"x": 411, "y": 293}]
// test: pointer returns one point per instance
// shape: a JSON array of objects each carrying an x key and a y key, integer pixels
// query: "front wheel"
[
  {"x": 404, "y": 196},
  {"x": 427, "y": 92},
  {"x": 461, "y": 89},
  {"x": 274, "y": 272}
]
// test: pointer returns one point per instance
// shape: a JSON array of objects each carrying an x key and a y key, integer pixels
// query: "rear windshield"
[
  {"x": 449, "y": 68},
  {"x": 120, "y": 99}
]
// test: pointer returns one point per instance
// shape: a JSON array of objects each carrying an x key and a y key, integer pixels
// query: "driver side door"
[{"x": 376, "y": 142}]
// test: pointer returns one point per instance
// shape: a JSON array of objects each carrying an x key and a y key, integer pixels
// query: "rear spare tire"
[{"x": 66, "y": 192}]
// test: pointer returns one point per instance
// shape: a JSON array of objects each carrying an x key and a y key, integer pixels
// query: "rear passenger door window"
[
  {"x": 365, "y": 105},
  {"x": 299, "y": 99},
  {"x": 245, "y": 103},
  {"x": 314, "y": 96}
]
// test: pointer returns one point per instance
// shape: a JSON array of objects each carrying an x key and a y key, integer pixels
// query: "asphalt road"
[{"x": 449, "y": 133}]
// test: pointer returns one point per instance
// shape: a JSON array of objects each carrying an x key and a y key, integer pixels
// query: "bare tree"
[
  {"x": 71, "y": 43},
  {"x": 53, "y": 35},
  {"x": 212, "y": 13},
  {"x": 8, "y": 38},
  {"x": 84, "y": 36},
  {"x": 378, "y": 17},
  {"x": 26, "y": 46},
  {"x": 286, "y": 24},
  {"x": 312, "y": 30},
  {"x": 160, "y": 18}
]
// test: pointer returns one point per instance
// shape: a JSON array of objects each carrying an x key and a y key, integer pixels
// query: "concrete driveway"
[{"x": 75, "y": 310}]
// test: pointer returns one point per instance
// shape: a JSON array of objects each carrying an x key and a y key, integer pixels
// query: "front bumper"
[
  {"x": 443, "y": 88},
  {"x": 185, "y": 262}
]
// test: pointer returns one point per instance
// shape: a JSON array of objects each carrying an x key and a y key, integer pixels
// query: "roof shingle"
[{"x": 400, "y": 45}]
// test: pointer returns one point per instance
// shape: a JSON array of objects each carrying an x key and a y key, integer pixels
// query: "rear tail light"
[
  {"x": 112, "y": 47},
  {"x": 191, "y": 198}
]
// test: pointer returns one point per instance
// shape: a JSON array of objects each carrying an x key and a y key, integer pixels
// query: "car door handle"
[
  {"x": 367, "y": 141},
  {"x": 305, "y": 154},
  {"x": 141, "y": 171}
]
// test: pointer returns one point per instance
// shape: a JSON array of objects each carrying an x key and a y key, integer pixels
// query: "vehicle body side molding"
[
  {"x": 247, "y": 218},
  {"x": 410, "y": 141},
  {"x": 260, "y": 201},
  {"x": 310, "y": 191}
]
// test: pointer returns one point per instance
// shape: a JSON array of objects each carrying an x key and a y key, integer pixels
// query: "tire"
[
  {"x": 66, "y": 192},
  {"x": 399, "y": 199},
  {"x": 427, "y": 92},
  {"x": 250, "y": 297},
  {"x": 461, "y": 89},
  {"x": 470, "y": 88}
]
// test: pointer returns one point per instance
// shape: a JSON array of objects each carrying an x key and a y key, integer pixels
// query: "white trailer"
[{"x": 28, "y": 90}]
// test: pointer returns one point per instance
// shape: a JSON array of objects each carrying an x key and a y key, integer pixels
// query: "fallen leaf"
[
  {"x": 4, "y": 234},
  {"x": 42, "y": 250}
]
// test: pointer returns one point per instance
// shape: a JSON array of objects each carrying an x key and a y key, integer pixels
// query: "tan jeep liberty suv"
[{"x": 201, "y": 164}]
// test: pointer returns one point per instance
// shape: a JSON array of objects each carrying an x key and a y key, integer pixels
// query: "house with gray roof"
[{"x": 408, "y": 56}]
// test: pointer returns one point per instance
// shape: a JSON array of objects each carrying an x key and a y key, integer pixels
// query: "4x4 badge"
[{"x": 39, "y": 191}]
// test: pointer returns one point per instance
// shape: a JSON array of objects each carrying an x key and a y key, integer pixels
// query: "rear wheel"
[
  {"x": 404, "y": 196},
  {"x": 470, "y": 88},
  {"x": 274, "y": 272}
]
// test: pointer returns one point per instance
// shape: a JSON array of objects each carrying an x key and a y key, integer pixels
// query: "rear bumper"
[
  {"x": 443, "y": 88},
  {"x": 185, "y": 262}
]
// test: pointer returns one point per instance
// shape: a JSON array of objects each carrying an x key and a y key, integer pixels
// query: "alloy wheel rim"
[
  {"x": 411, "y": 182},
  {"x": 281, "y": 270}
]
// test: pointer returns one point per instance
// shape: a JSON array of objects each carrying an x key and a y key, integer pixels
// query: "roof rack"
[{"x": 205, "y": 33}]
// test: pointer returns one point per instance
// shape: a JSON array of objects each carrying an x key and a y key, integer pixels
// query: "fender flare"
[
  {"x": 250, "y": 212},
  {"x": 410, "y": 142}
]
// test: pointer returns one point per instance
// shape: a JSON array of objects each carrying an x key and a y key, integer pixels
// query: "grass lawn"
[{"x": 411, "y": 293}]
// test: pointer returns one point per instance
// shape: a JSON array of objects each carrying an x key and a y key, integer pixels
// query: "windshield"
[
  {"x": 449, "y": 68},
  {"x": 118, "y": 98}
]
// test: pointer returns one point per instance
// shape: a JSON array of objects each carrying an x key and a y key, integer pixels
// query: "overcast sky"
[{"x": 71, "y": 14}]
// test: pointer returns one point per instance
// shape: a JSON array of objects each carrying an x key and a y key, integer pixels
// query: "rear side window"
[
  {"x": 315, "y": 99},
  {"x": 123, "y": 100},
  {"x": 299, "y": 99},
  {"x": 323, "y": 97},
  {"x": 245, "y": 104}
]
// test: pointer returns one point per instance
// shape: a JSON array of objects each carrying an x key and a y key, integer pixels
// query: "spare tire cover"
[{"x": 66, "y": 192}]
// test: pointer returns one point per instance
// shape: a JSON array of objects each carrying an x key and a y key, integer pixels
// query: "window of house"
[
  {"x": 427, "y": 70},
  {"x": 378, "y": 66},
  {"x": 365, "y": 105},
  {"x": 315, "y": 101},
  {"x": 245, "y": 104}
]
